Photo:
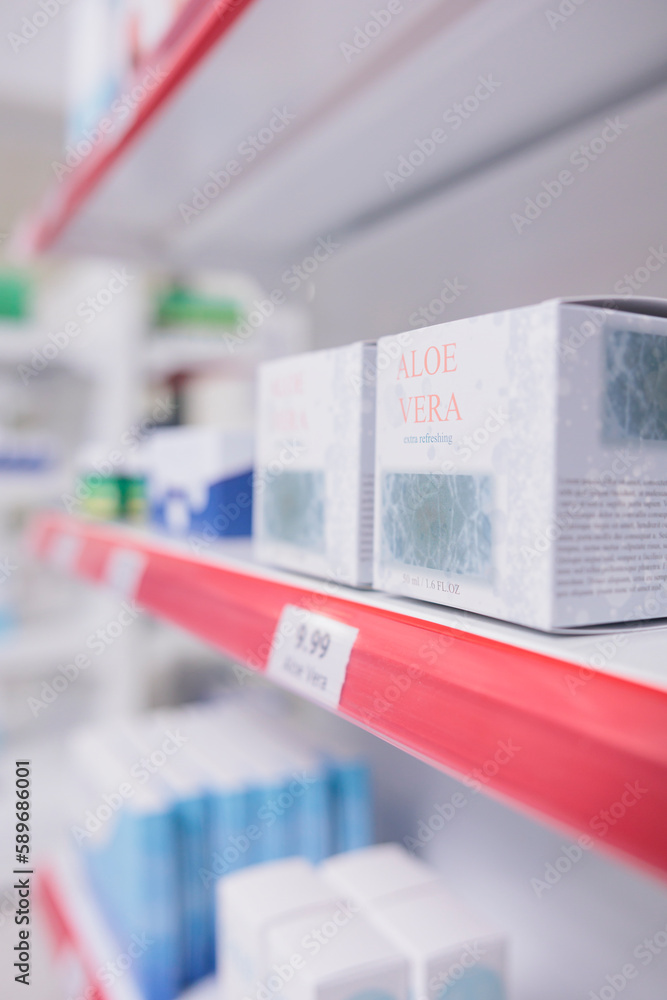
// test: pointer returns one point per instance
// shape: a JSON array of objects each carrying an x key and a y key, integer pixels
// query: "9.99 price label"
[{"x": 310, "y": 654}]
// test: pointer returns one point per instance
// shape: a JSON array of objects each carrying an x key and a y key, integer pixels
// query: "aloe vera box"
[
  {"x": 315, "y": 461},
  {"x": 521, "y": 463}
]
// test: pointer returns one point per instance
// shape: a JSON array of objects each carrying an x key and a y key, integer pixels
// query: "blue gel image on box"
[
  {"x": 438, "y": 522},
  {"x": 635, "y": 387}
]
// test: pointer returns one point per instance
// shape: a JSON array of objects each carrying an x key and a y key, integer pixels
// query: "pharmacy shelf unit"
[
  {"x": 572, "y": 729},
  {"x": 269, "y": 127}
]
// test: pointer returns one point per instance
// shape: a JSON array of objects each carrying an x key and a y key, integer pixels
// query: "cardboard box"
[
  {"x": 521, "y": 466},
  {"x": 335, "y": 955},
  {"x": 199, "y": 480},
  {"x": 314, "y": 480},
  {"x": 250, "y": 903},
  {"x": 372, "y": 873},
  {"x": 451, "y": 951}
]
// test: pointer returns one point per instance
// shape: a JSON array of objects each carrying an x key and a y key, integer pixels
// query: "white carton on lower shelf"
[
  {"x": 339, "y": 955},
  {"x": 451, "y": 952},
  {"x": 252, "y": 901},
  {"x": 522, "y": 463},
  {"x": 315, "y": 453},
  {"x": 371, "y": 873}
]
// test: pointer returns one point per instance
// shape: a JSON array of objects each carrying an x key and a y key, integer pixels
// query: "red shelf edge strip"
[
  {"x": 196, "y": 30},
  {"x": 577, "y": 755}
]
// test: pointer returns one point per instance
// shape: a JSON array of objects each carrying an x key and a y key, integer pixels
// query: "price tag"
[
  {"x": 64, "y": 551},
  {"x": 310, "y": 654},
  {"x": 124, "y": 570}
]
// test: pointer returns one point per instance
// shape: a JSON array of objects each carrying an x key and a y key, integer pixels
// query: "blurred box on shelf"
[
  {"x": 376, "y": 921},
  {"x": 111, "y": 484},
  {"x": 347, "y": 775},
  {"x": 522, "y": 463},
  {"x": 198, "y": 305},
  {"x": 314, "y": 476},
  {"x": 199, "y": 480},
  {"x": 369, "y": 874},
  {"x": 17, "y": 295},
  {"x": 337, "y": 953},
  {"x": 250, "y": 903},
  {"x": 170, "y": 801},
  {"x": 451, "y": 951},
  {"x": 128, "y": 842}
]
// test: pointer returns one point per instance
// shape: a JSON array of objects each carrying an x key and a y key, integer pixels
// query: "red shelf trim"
[
  {"x": 502, "y": 717},
  {"x": 196, "y": 30},
  {"x": 63, "y": 932}
]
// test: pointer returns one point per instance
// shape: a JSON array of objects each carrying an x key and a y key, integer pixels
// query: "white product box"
[
  {"x": 199, "y": 480},
  {"x": 251, "y": 902},
  {"x": 521, "y": 464},
  {"x": 372, "y": 873},
  {"x": 337, "y": 955},
  {"x": 451, "y": 952},
  {"x": 315, "y": 448},
  {"x": 405, "y": 899}
]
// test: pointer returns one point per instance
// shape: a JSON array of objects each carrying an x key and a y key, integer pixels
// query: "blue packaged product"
[{"x": 199, "y": 480}]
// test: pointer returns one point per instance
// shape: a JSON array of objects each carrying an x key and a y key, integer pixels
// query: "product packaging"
[
  {"x": 522, "y": 463},
  {"x": 314, "y": 479},
  {"x": 302, "y": 808},
  {"x": 372, "y": 873},
  {"x": 348, "y": 778},
  {"x": 172, "y": 801},
  {"x": 450, "y": 950},
  {"x": 252, "y": 902},
  {"x": 337, "y": 954},
  {"x": 128, "y": 842},
  {"x": 199, "y": 480},
  {"x": 185, "y": 784}
]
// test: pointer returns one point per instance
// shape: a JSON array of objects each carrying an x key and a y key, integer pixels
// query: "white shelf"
[{"x": 352, "y": 116}]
